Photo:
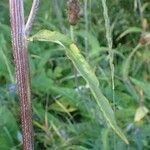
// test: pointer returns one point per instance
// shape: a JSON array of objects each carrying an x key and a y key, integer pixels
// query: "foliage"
[{"x": 65, "y": 113}]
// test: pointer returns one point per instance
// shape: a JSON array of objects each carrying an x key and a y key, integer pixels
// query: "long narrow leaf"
[{"x": 85, "y": 70}]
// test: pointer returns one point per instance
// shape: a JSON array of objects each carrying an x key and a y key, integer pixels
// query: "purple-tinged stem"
[
  {"x": 31, "y": 17},
  {"x": 22, "y": 70}
]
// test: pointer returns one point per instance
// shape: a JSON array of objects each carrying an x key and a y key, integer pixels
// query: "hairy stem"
[
  {"x": 109, "y": 40},
  {"x": 22, "y": 73}
]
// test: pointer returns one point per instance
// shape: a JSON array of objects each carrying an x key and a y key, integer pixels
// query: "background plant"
[{"x": 62, "y": 114}]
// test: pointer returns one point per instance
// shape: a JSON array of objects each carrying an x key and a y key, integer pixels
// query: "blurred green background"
[{"x": 65, "y": 115}]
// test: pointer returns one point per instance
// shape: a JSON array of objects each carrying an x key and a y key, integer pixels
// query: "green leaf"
[
  {"x": 141, "y": 112},
  {"x": 62, "y": 106},
  {"x": 85, "y": 70},
  {"x": 128, "y": 31},
  {"x": 8, "y": 129}
]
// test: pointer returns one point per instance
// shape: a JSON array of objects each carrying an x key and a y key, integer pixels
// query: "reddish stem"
[{"x": 22, "y": 73}]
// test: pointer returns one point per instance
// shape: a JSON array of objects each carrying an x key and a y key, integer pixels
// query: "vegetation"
[{"x": 90, "y": 83}]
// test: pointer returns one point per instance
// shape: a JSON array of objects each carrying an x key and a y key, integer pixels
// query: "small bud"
[{"x": 73, "y": 8}]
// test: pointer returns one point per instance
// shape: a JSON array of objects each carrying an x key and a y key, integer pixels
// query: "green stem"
[
  {"x": 72, "y": 33},
  {"x": 109, "y": 40},
  {"x": 86, "y": 26},
  {"x": 74, "y": 69}
]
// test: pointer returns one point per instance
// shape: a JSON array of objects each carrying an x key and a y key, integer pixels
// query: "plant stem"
[
  {"x": 72, "y": 33},
  {"x": 111, "y": 54},
  {"x": 58, "y": 13},
  {"x": 31, "y": 17},
  {"x": 86, "y": 27},
  {"x": 22, "y": 74},
  {"x": 109, "y": 40},
  {"x": 74, "y": 69}
]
